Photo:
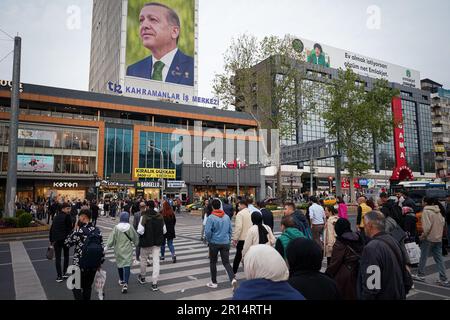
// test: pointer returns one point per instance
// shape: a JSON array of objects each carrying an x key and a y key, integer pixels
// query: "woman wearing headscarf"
[
  {"x": 259, "y": 233},
  {"x": 122, "y": 239},
  {"x": 305, "y": 261},
  {"x": 344, "y": 264},
  {"x": 267, "y": 275}
]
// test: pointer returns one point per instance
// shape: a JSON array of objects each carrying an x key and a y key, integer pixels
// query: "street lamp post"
[
  {"x": 161, "y": 166},
  {"x": 237, "y": 178},
  {"x": 207, "y": 180},
  {"x": 96, "y": 186},
  {"x": 292, "y": 180}
]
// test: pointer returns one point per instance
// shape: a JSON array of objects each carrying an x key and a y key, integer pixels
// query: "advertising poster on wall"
[
  {"x": 28, "y": 163},
  {"x": 45, "y": 136},
  {"x": 320, "y": 54}
]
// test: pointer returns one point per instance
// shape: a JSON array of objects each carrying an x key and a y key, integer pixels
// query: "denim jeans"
[
  {"x": 436, "y": 251},
  {"x": 124, "y": 274},
  {"x": 170, "y": 245}
]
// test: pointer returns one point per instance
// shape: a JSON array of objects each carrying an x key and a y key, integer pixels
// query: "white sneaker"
[
  {"x": 212, "y": 285},
  {"x": 234, "y": 283},
  {"x": 136, "y": 263}
]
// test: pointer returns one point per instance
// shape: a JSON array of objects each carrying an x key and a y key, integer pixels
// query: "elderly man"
[
  {"x": 160, "y": 31},
  {"x": 383, "y": 273}
]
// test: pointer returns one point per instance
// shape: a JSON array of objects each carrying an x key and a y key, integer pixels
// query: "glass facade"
[
  {"x": 150, "y": 156},
  {"x": 118, "y": 151},
  {"x": 411, "y": 134},
  {"x": 386, "y": 151},
  {"x": 65, "y": 150},
  {"x": 426, "y": 137}
]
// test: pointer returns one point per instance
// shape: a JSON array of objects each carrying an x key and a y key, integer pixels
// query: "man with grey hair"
[
  {"x": 160, "y": 31},
  {"x": 383, "y": 274}
]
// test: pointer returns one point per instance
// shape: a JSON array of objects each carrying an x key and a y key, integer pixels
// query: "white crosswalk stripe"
[
  {"x": 192, "y": 262},
  {"x": 187, "y": 278}
]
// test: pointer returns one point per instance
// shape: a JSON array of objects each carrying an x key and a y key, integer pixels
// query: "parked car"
[{"x": 194, "y": 206}]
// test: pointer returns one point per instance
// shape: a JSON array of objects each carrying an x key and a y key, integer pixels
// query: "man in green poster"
[{"x": 318, "y": 57}]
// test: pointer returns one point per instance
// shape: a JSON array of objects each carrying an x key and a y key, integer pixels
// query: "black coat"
[
  {"x": 153, "y": 235},
  {"x": 94, "y": 210},
  {"x": 61, "y": 227},
  {"x": 314, "y": 285},
  {"x": 344, "y": 263},
  {"x": 377, "y": 253},
  {"x": 228, "y": 209},
  {"x": 267, "y": 217},
  {"x": 170, "y": 226}
]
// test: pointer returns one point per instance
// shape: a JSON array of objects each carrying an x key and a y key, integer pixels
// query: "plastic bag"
[
  {"x": 50, "y": 252},
  {"x": 100, "y": 279},
  {"x": 413, "y": 250}
]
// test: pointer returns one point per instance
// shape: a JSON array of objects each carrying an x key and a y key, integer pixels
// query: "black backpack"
[{"x": 92, "y": 251}]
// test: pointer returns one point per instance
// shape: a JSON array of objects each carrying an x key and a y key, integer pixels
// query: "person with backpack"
[
  {"x": 391, "y": 209},
  {"x": 151, "y": 228},
  {"x": 169, "y": 220},
  {"x": 289, "y": 233},
  {"x": 345, "y": 257},
  {"x": 122, "y": 239},
  {"x": 89, "y": 253},
  {"x": 242, "y": 224},
  {"x": 384, "y": 255},
  {"x": 60, "y": 229}
]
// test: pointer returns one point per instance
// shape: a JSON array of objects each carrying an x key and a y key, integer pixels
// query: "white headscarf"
[{"x": 264, "y": 262}]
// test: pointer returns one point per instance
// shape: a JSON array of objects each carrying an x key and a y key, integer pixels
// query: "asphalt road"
[{"x": 184, "y": 280}]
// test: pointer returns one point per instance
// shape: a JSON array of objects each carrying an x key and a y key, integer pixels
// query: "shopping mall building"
[{"x": 70, "y": 141}]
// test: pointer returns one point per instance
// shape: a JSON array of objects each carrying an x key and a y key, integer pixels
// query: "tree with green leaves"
[
  {"x": 265, "y": 78},
  {"x": 358, "y": 119}
]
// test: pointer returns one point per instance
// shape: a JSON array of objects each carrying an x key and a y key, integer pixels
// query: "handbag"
[
  {"x": 413, "y": 250},
  {"x": 50, "y": 252}
]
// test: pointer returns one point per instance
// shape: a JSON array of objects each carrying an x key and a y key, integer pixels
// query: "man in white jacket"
[{"x": 242, "y": 224}]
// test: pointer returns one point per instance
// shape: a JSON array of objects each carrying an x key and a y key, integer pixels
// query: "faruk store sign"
[{"x": 236, "y": 164}]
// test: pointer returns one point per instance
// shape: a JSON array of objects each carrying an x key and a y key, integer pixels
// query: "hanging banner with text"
[{"x": 152, "y": 173}]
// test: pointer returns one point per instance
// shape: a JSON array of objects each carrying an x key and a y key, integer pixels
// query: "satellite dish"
[{"x": 298, "y": 46}]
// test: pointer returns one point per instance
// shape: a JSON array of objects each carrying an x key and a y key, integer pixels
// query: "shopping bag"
[
  {"x": 413, "y": 250},
  {"x": 50, "y": 252},
  {"x": 100, "y": 279}
]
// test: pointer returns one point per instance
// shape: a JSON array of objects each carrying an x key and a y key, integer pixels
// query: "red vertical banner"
[
  {"x": 399, "y": 133},
  {"x": 401, "y": 171}
]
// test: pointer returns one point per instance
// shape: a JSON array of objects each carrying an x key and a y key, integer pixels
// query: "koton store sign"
[{"x": 65, "y": 185}]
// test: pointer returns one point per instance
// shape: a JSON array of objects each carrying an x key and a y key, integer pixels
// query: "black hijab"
[
  {"x": 258, "y": 221},
  {"x": 342, "y": 226},
  {"x": 304, "y": 255}
]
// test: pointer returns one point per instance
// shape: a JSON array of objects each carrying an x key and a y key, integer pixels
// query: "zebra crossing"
[{"x": 186, "y": 279}]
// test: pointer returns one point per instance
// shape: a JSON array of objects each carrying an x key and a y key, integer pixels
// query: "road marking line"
[
  {"x": 432, "y": 293},
  {"x": 26, "y": 281}
]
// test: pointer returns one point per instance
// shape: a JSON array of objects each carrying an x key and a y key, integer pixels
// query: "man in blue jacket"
[
  {"x": 218, "y": 234},
  {"x": 160, "y": 31}
]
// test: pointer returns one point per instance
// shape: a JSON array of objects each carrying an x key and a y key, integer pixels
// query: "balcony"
[{"x": 437, "y": 130}]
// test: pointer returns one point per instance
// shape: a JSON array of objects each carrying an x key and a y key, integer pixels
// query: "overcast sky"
[{"x": 411, "y": 33}]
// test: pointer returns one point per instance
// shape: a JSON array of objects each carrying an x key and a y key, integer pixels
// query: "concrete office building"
[
  {"x": 440, "y": 111},
  {"x": 416, "y": 116}
]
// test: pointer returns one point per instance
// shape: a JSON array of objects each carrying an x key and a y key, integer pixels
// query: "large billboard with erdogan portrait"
[{"x": 159, "y": 53}]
